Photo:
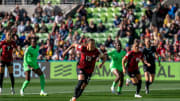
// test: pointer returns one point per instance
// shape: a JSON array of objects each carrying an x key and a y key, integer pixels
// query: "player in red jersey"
[
  {"x": 132, "y": 59},
  {"x": 86, "y": 64},
  {"x": 7, "y": 47}
]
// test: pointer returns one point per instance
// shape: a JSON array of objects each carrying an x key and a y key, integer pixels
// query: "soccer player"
[
  {"x": 7, "y": 47},
  {"x": 132, "y": 58},
  {"x": 31, "y": 64},
  {"x": 150, "y": 56},
  {"x": 85, "y": 66},
  {"x": 116, "y": 66}
]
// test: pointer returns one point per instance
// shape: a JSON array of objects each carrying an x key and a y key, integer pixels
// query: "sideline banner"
[
  {"x": 67, "y": 70},
  {"x": 19, "y": 71}
]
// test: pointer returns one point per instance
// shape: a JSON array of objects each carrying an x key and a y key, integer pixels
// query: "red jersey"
[
  {"x": 88, "y": 59},
  {"x": 7, "y": 50},
  {"x": 133, "y": 59},
  {"x": 161, "y": 51}
]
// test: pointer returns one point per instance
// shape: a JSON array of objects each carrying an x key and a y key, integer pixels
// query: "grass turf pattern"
[{"x": 97, "y": 90}]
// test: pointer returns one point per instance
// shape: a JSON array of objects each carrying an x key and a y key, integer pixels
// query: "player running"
[
  {"x": 116, "y": 66},
  {"x": 149, "y": 53},
  {"x": 132, "y": 59},
  {"x": 7, "y": 47},
  {"x": 85, "y": 66},
  {"x": 31, "y": 64}
]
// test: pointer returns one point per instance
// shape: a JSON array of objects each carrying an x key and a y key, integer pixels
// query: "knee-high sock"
[
  {"x": 78, "y": 90},
  {"x": 42, "y": 82},
  {"x": 1, "y": 79},
  {"x": 138, "y": 86},
  {"x": 12, "y": 79},
  {"x": 25, "y": 84}
]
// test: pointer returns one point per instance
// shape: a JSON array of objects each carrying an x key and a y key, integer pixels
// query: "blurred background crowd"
[{"x": 103, "y": 20}]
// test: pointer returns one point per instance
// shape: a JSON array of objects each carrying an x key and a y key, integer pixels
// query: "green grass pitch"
[{"x": 97, "y": 90}]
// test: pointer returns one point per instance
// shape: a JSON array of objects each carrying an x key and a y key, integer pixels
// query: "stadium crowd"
[{"x": 161, "y": 25}]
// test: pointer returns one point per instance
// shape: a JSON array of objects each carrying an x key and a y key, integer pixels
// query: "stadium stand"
[{"x": 103, "y": 21}]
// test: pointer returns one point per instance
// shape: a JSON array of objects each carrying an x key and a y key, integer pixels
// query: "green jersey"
[
  {"x": 30, "y": 58},
  {"x": 116, "y": 59}
]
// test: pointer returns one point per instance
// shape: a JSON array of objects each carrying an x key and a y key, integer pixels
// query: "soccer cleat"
[
  {"x": 42, "y": 93},
  {"x": 146, "y": 90},
  {"x": 12, "y": 91},
  {"x": 73, "y": 99},
  {"x": 137, "y": 96},
  {"x": 21, "y": 92},
  {"x": 118, "y": 93},
  {"x": 112, "y": 89},
  {"x": 127, "y": 82},
  {"x": 0, "y": 91}
]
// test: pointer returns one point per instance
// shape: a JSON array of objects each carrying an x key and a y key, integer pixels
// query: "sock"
[
  {"x": 1, "y": 79},
  {"x": 25, "y": 84},
  {"x": 78, "y": 88},
  {"x": 42, "y": 82},
  {"x": 114, "y": 84},
  {"x": 12, "y": 79},
  {"x": 119, "y": 89},
  {"x": 80, "y": 92},
  {"x": 147, "y": 84},
  {"x": 138, "y": 86},
  {"x": 150, "y": 83}
]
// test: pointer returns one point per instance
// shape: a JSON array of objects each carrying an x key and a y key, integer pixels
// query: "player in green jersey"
[
  {"x": 31, "y": 64},
  {"x": 116, "y": 66}
]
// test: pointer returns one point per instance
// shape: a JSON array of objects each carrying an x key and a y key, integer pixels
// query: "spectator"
[
  {"x": 21, "y": 27},
  {"x": 115, "y": 3},
  {"x": 28, "y": 27},
  {"x": 59, "y": 18},
  {"x": 19, "y": 53},
  {"x": 101, "y": 27},
  {"x": 36, "y": 28},
  {"x": 92, "y": 27},
  {"x": 63, "y": 31},
  {"x": 109, "y": 42},
  {"x": 48, "y": 9},
  {"x": 43, "y": 28},
  {"x": 56, "y": 55},
  {"x": 38, "y": 10},
  {"x": 25, "y": 18},
  {"x": 117, "y": 21},
  {"x": 78, "y": 22},
  {"x": 34, "y": 19},
  {"x": 167, "y": 21},
  {"x": 69, "y": 22},
  {"x": 82, "y": 11}
]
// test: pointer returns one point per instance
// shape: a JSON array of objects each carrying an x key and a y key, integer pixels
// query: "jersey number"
[{"x": 88, "y": 58}]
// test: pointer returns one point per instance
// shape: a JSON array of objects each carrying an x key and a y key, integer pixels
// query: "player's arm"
[
  {"x": 69, "y": 48},
  {"x": 124, "y": 60},
  {"x": 145, "y": 62},
  {"x": 104, "y": 57}
]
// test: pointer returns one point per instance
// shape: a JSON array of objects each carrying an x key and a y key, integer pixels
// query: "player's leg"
[
  {"x": 42, "y": 80},
  {"x": 120, "y": 82},
  {"x": 10, "y": 70},
  {"x": 2, "y": 66},
  {"x": 139, "y": 83},
  {"x": 81, "y": 84},
  {"x": 115, "y": 82},
  {"x": 26, "y": 82},
  {"x": 146, "y": 74}
]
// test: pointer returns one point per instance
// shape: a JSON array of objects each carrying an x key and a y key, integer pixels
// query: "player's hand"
[
  {"x": 100, "y": 65},
  {"x": 30, "y": 67},
  {"x": 124, "y": 71},
  {"x": 148, "y": 64}
]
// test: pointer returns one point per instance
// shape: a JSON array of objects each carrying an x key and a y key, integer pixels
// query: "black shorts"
[
  {"x": 133, "y": 74},
  {"x": 151, "y": 69},
  {"x": 5, "y": 64},
  {"x": 86, "y": 75}
]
